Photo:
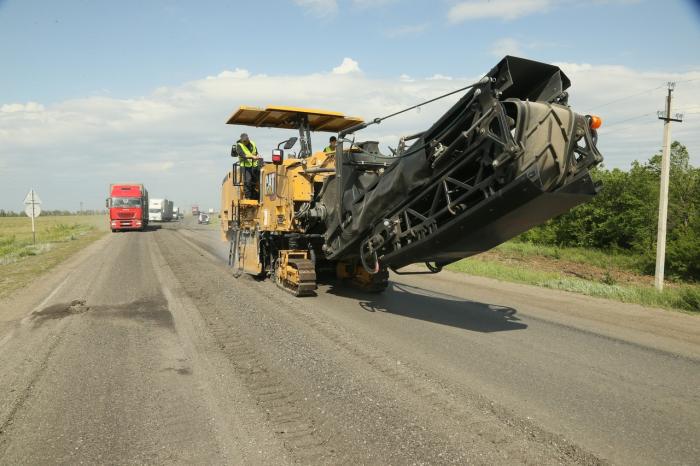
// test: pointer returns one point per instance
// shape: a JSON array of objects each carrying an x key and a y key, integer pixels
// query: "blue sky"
[
  {"x": 53, "y": 50},
  {"x": 97, "y": 88}
]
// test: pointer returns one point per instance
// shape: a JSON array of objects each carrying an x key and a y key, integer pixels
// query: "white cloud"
[
  {"x": 319, "y": 8},
  {"x": 627, "y": 101},
  {"x": 347, "y": 66},
  {"x": 29, "y": 107},
  {"x": 176, "y": 142},
  {"x": 440, "y": 77},
  {"x": 238, "y": 73},
  {"x": 503, "y": 9},
  {"x": 153, "y": 167}
]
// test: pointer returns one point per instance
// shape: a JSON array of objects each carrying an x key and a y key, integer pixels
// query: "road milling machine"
[{"x": 509, "y": 155}]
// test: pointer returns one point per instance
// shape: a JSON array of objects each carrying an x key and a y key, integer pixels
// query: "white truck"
[
  {"x": 155, "y": 210},
  {"x": 160, "y": 210}
]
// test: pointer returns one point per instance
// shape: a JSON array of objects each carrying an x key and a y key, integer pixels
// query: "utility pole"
[{"x": 663, "y": 192}]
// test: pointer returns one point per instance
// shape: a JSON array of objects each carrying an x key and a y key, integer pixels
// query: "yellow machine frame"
[{"x": 284, "y": 189}]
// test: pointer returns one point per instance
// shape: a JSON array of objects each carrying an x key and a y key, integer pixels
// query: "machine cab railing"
[{"x": 238, "y": 179}]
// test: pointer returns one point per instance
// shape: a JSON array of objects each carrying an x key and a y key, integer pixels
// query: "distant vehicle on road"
[
  {"x": 195, "y": 210},
  {"x": 160, "y": 210},
  {"x": 155, "y": 210},
  {"x": 203, "y": 218},
  {"x": 127, "y": 204},
  {"x": 176, "y": 213},
  {"x": 168, "y": 210},
  {"x": 211, "y": 211}
]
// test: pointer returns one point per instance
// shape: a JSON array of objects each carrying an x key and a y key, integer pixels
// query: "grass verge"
[
  {"x": 57, "y": 238},
  {"x": 685, "y": 297},
  {"x": 603, "y": 259}
]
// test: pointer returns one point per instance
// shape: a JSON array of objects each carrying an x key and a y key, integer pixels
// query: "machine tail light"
[{"x": 277, "y": 156}]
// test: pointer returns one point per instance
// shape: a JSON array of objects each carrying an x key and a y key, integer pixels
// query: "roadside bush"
[
  {"x": 623, "y": 216},
  {"x": 689, "y": 299}
]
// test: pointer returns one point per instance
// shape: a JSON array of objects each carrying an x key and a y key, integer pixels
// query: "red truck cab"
[{"x": 128, "y": 207}]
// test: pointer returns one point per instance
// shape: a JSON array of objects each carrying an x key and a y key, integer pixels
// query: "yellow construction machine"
[
  {"x": 267, "y": 235},
  {"x": 509, "y": 155}
]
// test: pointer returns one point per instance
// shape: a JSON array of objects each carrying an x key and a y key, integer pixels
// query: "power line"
[
  {"x": 605, "y": 104},
  {"x": 692, "y": 108},
  {"x": 688, "y": 80},
  {"x": 627, "y": 97},
  {"x": 607, "y": 125}
]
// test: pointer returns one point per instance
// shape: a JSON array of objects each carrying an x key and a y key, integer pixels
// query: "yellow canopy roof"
[{"x": 288, "y": 118}]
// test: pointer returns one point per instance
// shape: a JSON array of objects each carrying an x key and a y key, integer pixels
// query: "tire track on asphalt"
[{"x": 309, "y": 439}]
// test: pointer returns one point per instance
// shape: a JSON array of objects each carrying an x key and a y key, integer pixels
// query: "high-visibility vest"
[
  {"x": 250, "y": 156},
  {"x": 329, "y": 149}
]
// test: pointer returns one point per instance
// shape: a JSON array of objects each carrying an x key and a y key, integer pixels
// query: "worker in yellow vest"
[
  {"x": 249, "y": 161},
  {"x": 332, "y": 142}
]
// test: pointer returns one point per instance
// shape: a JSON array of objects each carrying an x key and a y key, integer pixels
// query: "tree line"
[
  {"x": 624, "y": 216},
  {"x": 10, "y": 213}
]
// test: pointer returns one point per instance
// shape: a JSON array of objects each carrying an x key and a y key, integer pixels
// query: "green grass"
[
  {"x": 57, "y": 238},
  {"x": 597, "y": 258},
  {"x": 679, "y": 297}
]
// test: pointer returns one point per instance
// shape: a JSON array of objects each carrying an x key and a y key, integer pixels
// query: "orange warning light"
[{"x": 596, "y": 122}]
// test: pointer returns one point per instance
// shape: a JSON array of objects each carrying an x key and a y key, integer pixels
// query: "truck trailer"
[
  {"x": 168, "y": 210},
  {"x": 155, "y": 210},
  {"x": 160, "y": 210},
  {"x": 127, "y": 204}
]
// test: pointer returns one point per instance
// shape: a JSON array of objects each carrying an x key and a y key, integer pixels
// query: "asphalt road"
[{"x": 143, "y": 349}]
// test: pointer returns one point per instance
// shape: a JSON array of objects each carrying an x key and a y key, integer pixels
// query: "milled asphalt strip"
[
  {"x": 240, "y": 430},
  {"x": 356, "y": 353}
]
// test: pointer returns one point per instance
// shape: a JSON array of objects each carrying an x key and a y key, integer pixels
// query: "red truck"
[
  {"x": 195, "y": 210},
  {"x": 128, "y": 206}
]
